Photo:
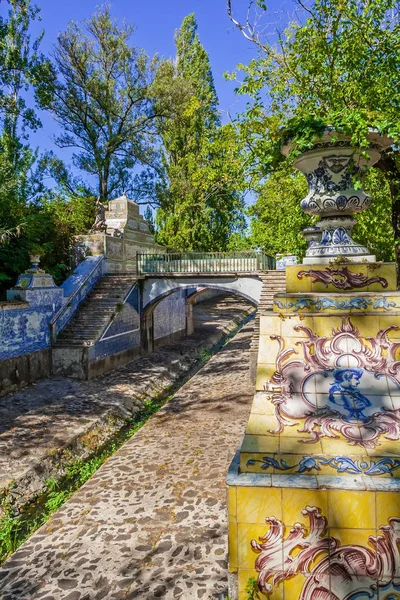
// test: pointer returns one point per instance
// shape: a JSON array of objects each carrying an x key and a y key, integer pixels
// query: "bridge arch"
[{"x": 155, "y": 289}]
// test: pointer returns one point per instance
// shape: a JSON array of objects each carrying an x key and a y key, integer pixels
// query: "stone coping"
[{"x": 13, "y": 304}]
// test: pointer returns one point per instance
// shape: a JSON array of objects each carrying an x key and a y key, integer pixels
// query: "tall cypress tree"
[{"x": 199, "y": 202}]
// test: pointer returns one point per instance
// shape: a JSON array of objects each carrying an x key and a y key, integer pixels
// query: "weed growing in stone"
[{"x": 252, "y": 589}]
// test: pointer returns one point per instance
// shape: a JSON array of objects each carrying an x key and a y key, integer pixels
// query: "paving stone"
[
  {"x": 47, "y": 424},
  {"x": 151, "y": 523}
]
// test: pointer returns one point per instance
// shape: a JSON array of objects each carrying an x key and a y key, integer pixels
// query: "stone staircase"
[
  {"x": 95, "y": 312},
  {"x": 273, "y": 282}
]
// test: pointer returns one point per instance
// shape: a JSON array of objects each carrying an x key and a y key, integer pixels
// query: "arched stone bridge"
[{"x": 115, "y": 310}]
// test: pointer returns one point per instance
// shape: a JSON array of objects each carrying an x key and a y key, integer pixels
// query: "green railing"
[{"x": 204, "y": 262}]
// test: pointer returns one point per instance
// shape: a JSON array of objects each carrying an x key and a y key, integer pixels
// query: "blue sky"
[{"x": 155, "y": 22}]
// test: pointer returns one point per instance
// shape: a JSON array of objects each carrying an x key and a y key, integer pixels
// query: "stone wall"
[
  {"x": 20, "y": 371},
  {"x": 24, "y": 344},
  {"x": 120, "y": 341}
]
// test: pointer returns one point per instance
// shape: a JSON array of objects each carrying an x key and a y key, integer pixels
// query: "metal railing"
[{"x": 204, "y": 262}]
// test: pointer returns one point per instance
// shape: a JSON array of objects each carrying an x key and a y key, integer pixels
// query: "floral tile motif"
[
  {"x": 351, "y": 565},
  {"x": 340, "y": 464},
  {"x": 358, "y": 384},
  {"x": 322, "y": 303}
]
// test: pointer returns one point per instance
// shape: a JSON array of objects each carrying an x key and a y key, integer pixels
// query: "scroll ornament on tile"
[
  {"x": 345, "y": 384},
  {"x": 332, "y": 571}
]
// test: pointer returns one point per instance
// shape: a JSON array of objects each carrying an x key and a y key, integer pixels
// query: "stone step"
[{"x": 95, "y": 312}]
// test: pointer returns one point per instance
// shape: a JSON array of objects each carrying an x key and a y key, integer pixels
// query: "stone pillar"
[{"x": 313, "y": 492}]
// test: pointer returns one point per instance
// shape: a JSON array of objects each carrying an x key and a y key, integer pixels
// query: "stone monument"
[
  {"x": 120, "y": 233},
  {"x": 313, "y": 492}
]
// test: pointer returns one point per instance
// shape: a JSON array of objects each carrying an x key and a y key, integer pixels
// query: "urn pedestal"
[{"x": 314, "y": 490}]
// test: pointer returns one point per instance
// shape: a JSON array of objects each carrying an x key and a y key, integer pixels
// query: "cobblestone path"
[{"x": 151, "y": 522}]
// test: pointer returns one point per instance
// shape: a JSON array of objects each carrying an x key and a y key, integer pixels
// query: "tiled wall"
[{"x": 170, "y": 315}]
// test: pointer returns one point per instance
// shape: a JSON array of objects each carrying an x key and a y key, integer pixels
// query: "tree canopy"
[
  {"x": 199, "y": 196},
  {"x": 102, "y": 100},
  {"x": 333, "y": 64}
]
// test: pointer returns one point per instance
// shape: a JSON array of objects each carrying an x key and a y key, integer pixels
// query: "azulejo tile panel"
[
  {"x": 341, "y": 384},
  {"x": 353, "y": 303},
  {"x": 334, "y": 547},
  {"x": 335, "y": 278},
  {"x": 318, "y": 474}
]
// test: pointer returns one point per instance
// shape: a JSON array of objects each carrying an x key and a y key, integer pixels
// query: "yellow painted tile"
[
  {"x": 323, "y": 325},
  {"x": 320, "y": 287},
  {"x": 261, "y": 424},
  {"x": 368, "y": 326},
  {"x": 262, "y": 404},
  {"x": 255, "y": 504},
  {"x": 352, "y": 510},
  {"x": 232, "y": 502},
  {"x": 339, "y": 446},
  {"x": 256, "y": 462},
  {"x": 388, "y": 321},
  {"x": 293, "y": 587},
  {"x": 243, "y": 578},
  {"x": 293, "y": 283},
  {"x": 260, "y": 443},
  {"x": 384, "y": 448},
  {"x": 353, "y": 537},
  {"x": 232, "y": 548},
  {"x": 296, "y": 500},
  {"x": 290, "y": 322},
  {"x": 293, "y": 431},
  {"x": 292, "y": 445},
  {"x": 387, "y": 506},
  {"x": 267, "y": 350},
  {"x": 264, "y": 373},
  {"x": 246, "y": 533},
  {"x": 290, "y": 460},
  {"x": 388, "y": 272},
  {"x": 270, "y": 325}
]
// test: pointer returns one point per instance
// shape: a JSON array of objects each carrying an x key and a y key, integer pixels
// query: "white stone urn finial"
[
  {"x": 35, "y": 261},
  {"x": 330, "y": 166}
]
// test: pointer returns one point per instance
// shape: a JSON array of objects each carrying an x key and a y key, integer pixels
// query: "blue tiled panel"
[
  {"x": 123, "y": 333},
  {"x": 75, "y": 283},
  {"x": 24, "y": 330},
  {"x": 170, "y": 315}
]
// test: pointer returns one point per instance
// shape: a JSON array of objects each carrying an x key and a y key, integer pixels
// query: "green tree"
[
  {"x": 25, "y": 84},
  {"x": 199, "y": 195},
  {"x": 337, "y": 64},
  {"x": 148, "y": 215},
  {"x": 276, "y": 216},
  {"x": 102, "y": 101}
]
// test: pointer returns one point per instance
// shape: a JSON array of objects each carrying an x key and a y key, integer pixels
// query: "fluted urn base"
[{"x": 335, "y": 241}]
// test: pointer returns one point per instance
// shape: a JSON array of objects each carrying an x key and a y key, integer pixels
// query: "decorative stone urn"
[
  {"x": 330, "y": 167},
  {"x": 35, "y": 261}
]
